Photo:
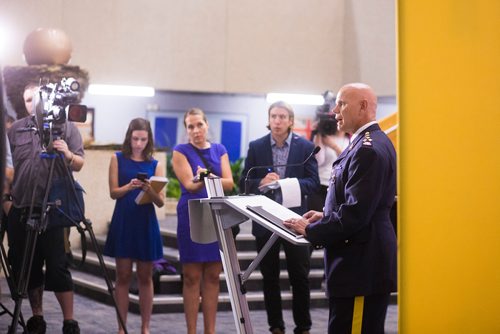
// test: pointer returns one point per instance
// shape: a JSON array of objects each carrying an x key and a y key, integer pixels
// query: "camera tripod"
[
  {"x": 36, "y": 224},
  {"x": 8, "y": 275}
]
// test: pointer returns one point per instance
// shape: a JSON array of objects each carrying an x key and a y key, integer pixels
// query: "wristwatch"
[{"x": 7, "y": 198}]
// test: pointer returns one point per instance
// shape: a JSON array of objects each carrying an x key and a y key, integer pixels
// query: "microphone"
[{"x": 313, "y": 153}]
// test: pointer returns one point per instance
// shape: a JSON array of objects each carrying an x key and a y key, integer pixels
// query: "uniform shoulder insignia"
[{"x": 367, "y": 140}]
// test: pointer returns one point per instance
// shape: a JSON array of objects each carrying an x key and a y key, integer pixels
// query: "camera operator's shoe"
[
  {"x": 36, "y": 325},
  {"x": 71, "y": 327}
]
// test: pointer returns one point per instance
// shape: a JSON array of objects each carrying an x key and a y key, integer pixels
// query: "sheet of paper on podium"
[
  {"x": 290, "y": 191},
  {"x": 268, "y": 213}
]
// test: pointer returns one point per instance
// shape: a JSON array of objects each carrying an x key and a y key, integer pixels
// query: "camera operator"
[
  {"x": 28, "y": 188},
  {"x": 9, "y": 176},
  {"x": 332, "y": 142}
]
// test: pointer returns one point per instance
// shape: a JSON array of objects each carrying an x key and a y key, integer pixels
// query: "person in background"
[
  {"x": 332, "y": 143},
  {"x": 6, "y": 196},
  {"x": 9, "y": 177},
  {"x": 30, "y": 177},
  {"x": 9, "y": 120},
  {"x": 9, "y": 167},
  {"x": 355, "y": 226},
  {"x": 134, "y": 233},
  {"x": 201, "y": 263},
  {"x": 282, "y": 146}
]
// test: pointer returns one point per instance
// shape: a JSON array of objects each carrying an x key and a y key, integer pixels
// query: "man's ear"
[{"x": 364, "y": 104}]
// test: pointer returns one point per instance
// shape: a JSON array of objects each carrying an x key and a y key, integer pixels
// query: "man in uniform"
[{"x": 355, "y": 226}]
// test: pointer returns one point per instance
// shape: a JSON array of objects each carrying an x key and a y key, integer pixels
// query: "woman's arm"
[
  {"x": 184, "y": 173},
  {"x": 330, "y": 142},
  {"x": 320, "y": 156},
  {"x": 114, "y": 190},
  {"x": 227, "y": 174}
]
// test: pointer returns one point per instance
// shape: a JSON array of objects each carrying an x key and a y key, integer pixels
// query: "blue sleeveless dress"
[
  {"x": 189, "y": 250},
  {"x": 134, "y": 231}
]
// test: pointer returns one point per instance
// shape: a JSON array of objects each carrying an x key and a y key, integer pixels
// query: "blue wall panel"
[
  {"x": 165, "y": 132},
  {"x": 231, "y": 138}
]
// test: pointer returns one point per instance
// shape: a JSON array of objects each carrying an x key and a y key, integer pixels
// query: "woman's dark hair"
[
  {"x": 138, "y": 124},
  {"x": 327, "y": 126}
]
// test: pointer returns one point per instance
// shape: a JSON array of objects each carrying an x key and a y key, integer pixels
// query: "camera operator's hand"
[
  {"x": 75, "y": 161},
  {"x": 61, "y": 146}
]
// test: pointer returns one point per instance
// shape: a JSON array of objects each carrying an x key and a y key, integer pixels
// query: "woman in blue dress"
[
  {"x": 134, "y": 233},
  {"x": 201, "y": 263}
]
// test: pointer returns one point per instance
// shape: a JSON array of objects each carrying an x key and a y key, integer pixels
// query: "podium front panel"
[{"x": 241, "y": 204}]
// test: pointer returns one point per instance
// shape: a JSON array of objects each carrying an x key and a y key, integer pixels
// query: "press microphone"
[{"x": 316, "y": 150}]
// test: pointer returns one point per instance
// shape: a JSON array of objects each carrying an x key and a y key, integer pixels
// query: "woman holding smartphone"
[
  {"x": 201, "y": 263},
  {"x": 134, "y": 233}
]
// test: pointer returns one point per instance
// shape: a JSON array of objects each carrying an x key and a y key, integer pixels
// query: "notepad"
[{"x": 157, "y": 183}]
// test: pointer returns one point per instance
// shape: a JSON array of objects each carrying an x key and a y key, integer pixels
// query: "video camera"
[
  {"x": 323, "y": 110},
  {"x": 54, "y": 104},
  {"x": 327, "y": 124}
]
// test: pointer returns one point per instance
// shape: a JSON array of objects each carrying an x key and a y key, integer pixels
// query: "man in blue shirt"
[{"x": 282, "y": 146}]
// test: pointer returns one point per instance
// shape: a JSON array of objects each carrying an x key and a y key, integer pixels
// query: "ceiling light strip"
[
  {"x": 120, "y": 90},
  {"x": 307, "y": 99}
]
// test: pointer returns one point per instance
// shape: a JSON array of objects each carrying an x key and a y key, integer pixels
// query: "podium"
[{"x": 211, "y": 220}]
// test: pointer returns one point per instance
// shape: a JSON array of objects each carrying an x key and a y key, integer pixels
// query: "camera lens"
[{"x": 72, "y": 84}]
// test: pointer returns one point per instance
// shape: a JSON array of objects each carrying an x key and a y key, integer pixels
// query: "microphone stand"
[{"x": 313, "y": 153}]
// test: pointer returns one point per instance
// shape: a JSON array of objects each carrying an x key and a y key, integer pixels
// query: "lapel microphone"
[{"x": 313, "y": 153}]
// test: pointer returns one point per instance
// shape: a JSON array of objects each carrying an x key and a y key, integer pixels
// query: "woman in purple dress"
[
  {"x": 201, "y": 263},
  {"x": 134, "y": 234}
]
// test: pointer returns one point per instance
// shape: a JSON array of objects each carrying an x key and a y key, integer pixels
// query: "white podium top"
[{"x": 242, "y": 202}]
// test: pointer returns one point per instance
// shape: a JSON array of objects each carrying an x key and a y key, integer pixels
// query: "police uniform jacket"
[{"x": 356, "y": 230}]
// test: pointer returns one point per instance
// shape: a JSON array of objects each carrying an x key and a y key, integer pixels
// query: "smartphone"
[{"x": 142, "y": 176}]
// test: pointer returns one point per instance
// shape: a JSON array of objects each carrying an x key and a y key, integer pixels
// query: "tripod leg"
[
  {"x": 8, "y": 277},
  {"x": 106, "y": 276},
  {"x": 22, "y": 288},
  {"x": 88, "y": 227}
]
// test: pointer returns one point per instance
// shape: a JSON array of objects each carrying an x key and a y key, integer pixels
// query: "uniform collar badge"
[{"x": 367, "y": 139}]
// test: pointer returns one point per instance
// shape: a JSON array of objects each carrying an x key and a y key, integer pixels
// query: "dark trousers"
[
  {"x": 371, "y": 314},
  {"x": 49, "y": 251},
  {"x": 298, "y": 265}
]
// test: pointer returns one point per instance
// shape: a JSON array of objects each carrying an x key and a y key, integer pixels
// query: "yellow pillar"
[{"x": 449, "y": 166}]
